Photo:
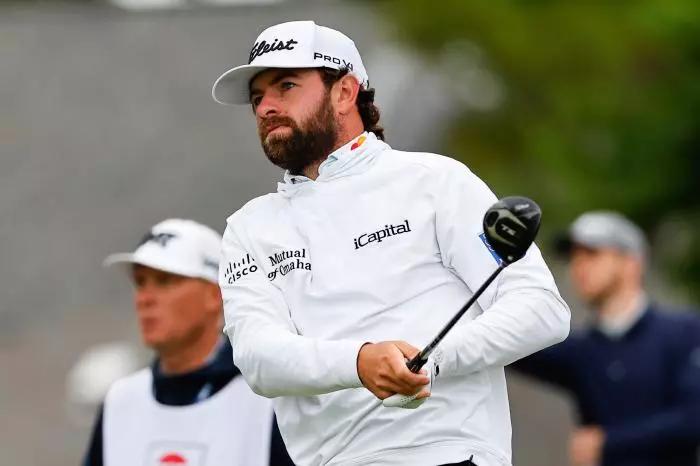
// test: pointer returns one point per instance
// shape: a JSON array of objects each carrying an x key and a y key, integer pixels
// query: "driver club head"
[{"x": 511, "y": 225}]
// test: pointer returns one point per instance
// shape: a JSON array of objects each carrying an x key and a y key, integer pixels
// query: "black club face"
[{"x": 511, "y": 225}]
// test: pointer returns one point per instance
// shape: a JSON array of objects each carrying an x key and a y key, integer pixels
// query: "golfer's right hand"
[{"x": 382, "y": 370}]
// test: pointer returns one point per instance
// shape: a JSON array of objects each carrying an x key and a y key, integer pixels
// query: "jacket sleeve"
[
  {"x": 273, "y": 358},
  {"x": 523, "y": 311},
  {"x": 679, "y": 422}
]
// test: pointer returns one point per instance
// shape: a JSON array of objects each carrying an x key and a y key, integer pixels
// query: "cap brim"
[
  {"x": 233, "y": 87},
  {"x": 119, "y": 258},
  {"x": 563, "y": 244},
  {"x": 127, "y": 258}
]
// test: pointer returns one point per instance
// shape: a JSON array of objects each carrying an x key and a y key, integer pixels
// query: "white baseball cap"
[
  {"x": 182, "y": 247},
  {"x": 296, "y": 44},
  {"x": 600, "y": 229}
]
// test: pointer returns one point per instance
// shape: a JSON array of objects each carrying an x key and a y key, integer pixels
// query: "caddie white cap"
[
  {"x": 182, "y": 247},
  {"x": 296, "y": 44}
]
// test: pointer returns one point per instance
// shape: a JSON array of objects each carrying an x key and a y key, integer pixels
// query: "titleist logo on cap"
[
  {"x": 161, "y": 238},
  {"x": 262, "y": 47}
]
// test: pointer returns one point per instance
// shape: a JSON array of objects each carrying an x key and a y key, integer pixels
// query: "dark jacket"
[
  {"x": 642, "y": 388},
  {"x": 189, "y": 388}
]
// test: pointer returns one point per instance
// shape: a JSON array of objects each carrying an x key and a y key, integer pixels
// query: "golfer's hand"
[
  {"x": 382, "y": 370},
  {"x": 414, "y": 401}
]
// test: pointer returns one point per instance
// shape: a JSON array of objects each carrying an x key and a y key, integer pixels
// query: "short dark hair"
[{"x": 365, "y": 101}]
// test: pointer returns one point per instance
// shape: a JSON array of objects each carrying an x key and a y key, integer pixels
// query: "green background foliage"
[{"x": 600, "y": 108}]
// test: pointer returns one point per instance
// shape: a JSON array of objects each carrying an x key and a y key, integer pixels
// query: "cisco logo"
[{"x": 237, "y": 270}]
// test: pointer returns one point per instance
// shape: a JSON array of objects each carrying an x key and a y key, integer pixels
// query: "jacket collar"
[
  {"x": 190, "y": 387},
  {"x": 618, "y": 326},
  {"x": 350, "y": 159}
]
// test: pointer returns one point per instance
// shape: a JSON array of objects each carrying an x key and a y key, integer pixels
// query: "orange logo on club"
[{"x": 358, "y": 143}]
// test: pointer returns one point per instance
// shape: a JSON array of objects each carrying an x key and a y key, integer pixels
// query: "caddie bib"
[{"x": 232, "y": 427}]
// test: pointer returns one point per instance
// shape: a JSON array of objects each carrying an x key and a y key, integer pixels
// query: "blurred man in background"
[
  {"x": 635, "y": 372},
  {"x": 190, "y": 407}
]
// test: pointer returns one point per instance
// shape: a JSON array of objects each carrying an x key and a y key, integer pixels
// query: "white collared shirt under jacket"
[{"x": 383, "y": 245}]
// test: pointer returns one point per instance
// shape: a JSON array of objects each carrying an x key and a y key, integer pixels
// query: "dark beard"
[{"x": 304, "y": 146}]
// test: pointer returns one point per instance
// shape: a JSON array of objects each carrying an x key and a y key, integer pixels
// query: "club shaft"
[{"x": 421, "y": 358}]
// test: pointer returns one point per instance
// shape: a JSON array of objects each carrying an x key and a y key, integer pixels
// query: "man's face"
[
  {"x": 295, "y": 117},
  {"x": 172, "y": 310},
  {"x": 596, "y": 273}
]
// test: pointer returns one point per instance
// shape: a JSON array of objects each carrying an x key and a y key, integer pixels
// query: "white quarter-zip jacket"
[{"x": 383, "y": 245}]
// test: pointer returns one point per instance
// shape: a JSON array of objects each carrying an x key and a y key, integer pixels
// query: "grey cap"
[{"x": 601, "y": 229}]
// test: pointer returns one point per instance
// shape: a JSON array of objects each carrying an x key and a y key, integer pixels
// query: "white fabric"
[
  {"x": 295, "y": 44},
  {"x": 383, "y": 245},
  {"x": 233, "y": 427},
  {"x": 179, "y": 246}
]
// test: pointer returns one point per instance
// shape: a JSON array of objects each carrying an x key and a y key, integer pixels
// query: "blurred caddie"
[{"x": 191, "y": 407}]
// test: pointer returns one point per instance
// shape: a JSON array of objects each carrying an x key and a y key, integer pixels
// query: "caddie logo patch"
[
  {"x": 172, "y": 458},
  {"x": 170, "y": 453}
]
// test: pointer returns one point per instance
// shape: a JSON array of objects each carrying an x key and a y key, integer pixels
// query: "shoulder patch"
[{"x": 495, "y": 255}]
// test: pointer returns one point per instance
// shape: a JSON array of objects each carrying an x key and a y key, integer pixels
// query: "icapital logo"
[
  {"x": 279, "y": 261},
  {"x": 239, "y": 269},
  {"x": 380, "y": 235},
  {"x": 262, "y": 47}
]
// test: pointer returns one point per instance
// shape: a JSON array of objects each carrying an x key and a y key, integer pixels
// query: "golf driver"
[{"x": 510, "y": 226}]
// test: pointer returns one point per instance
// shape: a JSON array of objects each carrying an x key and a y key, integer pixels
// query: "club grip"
[{"x": 415, "y": 364}]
